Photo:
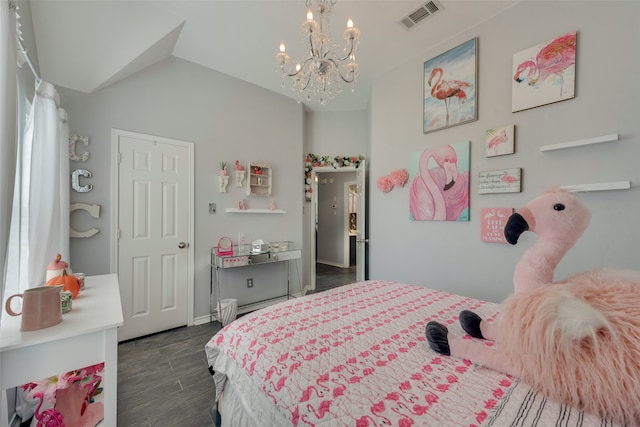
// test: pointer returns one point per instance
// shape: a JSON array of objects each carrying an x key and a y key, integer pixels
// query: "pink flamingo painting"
[
  {"x": 445, "y": 90},
  {"x": 552, "y": 59},
  {"x": 497, "y": 139},
  {"x": 439, "y": 193}
]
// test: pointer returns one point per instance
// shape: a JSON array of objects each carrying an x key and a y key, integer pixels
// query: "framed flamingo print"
[
  {"x": 499, "y": 141},
  {"x": 440, "y": 184},
  {"x": 450, "y": 87},
  {"x": 544, "y": 73}
]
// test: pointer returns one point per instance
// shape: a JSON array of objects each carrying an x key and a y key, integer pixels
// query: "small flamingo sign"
[
  {"x": 500, "y": 181},
  {"x": 499, "y": 141},
  {"x": 492, "y": 222}
]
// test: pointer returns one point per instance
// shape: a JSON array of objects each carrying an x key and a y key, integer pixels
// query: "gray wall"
[
  {"x": 226, "y": 119},
  {"x": 450, "y": 255}
]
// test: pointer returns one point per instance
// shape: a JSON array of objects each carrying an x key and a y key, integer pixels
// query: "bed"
[{"x": 357, "y": 356}]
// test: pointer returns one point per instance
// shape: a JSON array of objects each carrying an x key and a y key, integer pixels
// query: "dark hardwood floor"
[
  {"x": 328, "y": 277},
  {"x": 163, "y": 379}
]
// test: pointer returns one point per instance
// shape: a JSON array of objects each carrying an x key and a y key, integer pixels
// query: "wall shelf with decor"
[
  {"x": 259, "y": 182},
  {"x": 256, "y": 211}
]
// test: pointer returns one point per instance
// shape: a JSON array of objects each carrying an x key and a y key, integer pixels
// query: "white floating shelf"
[
  {"x": 603, "y": 186},
  {"x": 580, "y": 142},
  {"x": 256, "y": 211}
]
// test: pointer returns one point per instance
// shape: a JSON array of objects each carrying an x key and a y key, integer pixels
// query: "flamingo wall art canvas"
[
  {"x": 500, "y": 181},
  {"x": 544, "y": 73},
  {"x": 450, "y": 92},
  {"x": 499, "y": 141},
  {"x": 440, "y": 185},
  {"x": 492, "y": 222}
]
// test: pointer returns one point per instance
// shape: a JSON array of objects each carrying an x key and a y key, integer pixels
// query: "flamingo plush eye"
[{"x": 558, "y": 207}]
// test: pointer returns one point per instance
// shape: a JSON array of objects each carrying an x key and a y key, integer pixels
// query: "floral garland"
[{"x": 313, "y": 161}]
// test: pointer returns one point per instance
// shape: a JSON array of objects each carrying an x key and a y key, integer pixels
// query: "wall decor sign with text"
[
  {"x": 450, "y": 88},
  {"x": 544, "y": 73},
  {"x": 492, "y": 222},
  {"x": 500, "y": 181}
]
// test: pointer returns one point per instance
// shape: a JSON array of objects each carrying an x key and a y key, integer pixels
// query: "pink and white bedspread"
[{"x": 358, "y": 356}]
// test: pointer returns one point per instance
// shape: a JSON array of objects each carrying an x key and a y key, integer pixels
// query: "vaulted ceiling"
[{"x": 87, "y": 45}]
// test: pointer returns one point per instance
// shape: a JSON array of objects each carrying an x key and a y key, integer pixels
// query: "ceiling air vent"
[{"x": 420, "y": 14}]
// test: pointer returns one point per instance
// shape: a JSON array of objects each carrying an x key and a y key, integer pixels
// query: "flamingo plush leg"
[
  {"x": 488, "y": 357},
  {"x": 489, "y": 330},
  {"x": 476, "y": 327},
  {"x": 439, "y": 340}
]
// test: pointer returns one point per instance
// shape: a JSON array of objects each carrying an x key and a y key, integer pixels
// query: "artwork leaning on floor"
[
  {"x": 450, "y": 92},
  {"x": 440, "y": 183}
]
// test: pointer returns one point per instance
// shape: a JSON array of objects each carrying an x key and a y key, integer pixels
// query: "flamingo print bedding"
[{"x": 357, "y": 356}]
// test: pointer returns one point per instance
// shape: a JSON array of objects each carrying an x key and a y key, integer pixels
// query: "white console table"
[
  {"x": 241, "y": 257},
  {"x": 87, "y": 335}
]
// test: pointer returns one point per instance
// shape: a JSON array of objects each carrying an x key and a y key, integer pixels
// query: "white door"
[{"x": 154, "y": 185}]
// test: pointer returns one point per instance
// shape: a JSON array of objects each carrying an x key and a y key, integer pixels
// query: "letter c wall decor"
[
  {"x": 72, "y": 148},
  {"x": 94, "y": 211},
  {"x": 75, "y": 182}
]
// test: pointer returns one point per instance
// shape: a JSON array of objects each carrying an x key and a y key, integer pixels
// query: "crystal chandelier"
[{"x": 320, "y": 74}]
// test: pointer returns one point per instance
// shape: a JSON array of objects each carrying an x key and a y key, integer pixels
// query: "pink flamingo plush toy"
[{"x": 576, "y": 340}]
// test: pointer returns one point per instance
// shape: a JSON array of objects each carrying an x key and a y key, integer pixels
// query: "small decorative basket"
[{"x": 229, "y": 310}]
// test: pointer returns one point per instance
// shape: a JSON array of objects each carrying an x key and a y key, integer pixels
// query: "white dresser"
[{"x": 87, "y": 335}]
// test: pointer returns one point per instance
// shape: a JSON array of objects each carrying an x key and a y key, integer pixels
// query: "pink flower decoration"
[
  {"x": 399, "y": 177},
  {"x": 384, "y": 184}
]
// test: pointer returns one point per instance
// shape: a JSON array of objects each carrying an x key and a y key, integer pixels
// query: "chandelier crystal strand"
[{"x": 321, "y": 72}]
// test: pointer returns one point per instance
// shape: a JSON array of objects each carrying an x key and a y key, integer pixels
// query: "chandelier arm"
[
  {"x": 313, "y": 52},
  {"x": 344, "y": 79},
  {"x": 348, "y": 53},
  {"x": 301, "y": 68},
  {"x": 306, "y": 84}
]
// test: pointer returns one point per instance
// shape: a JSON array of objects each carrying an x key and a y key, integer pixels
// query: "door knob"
[
  {"x": 182, "y": 245},
  {"x": 362, "y": 240}
]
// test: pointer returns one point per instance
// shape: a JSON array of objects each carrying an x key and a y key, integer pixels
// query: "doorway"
[
  {"x": 153, "y": 225},
  {"x": 337, "y": 227}
]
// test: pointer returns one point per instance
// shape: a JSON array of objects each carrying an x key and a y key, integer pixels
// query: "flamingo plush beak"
[{"x": 516, "y": 225}]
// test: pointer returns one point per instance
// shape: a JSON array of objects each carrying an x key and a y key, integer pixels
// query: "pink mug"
[{"x": 41, "y": 307}]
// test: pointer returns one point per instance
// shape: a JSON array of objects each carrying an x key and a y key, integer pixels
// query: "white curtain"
[
  {"x": 65, "y": 184},
  {"x": 8, "y": 120},
  {"x": 8, "y": 144},
  {"x": 44, "y": 193}
]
